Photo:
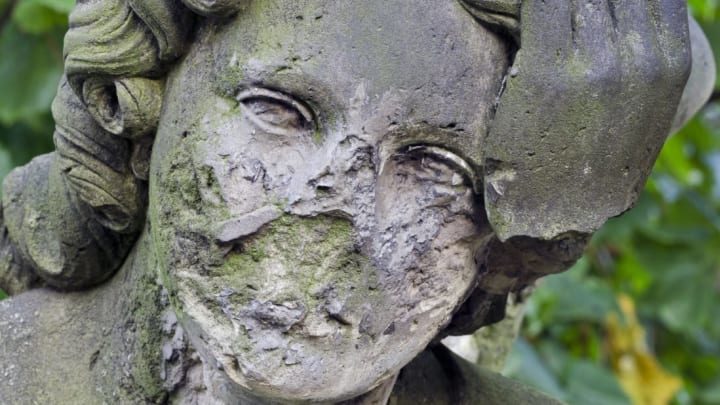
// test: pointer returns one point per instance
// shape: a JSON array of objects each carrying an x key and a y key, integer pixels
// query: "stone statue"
[{"x": 293, "y": 202}]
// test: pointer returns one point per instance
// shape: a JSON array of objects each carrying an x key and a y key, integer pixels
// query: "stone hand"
[
  {"x": 96, "y": 164},
  {"x": 85, "y": 205},
  {"x": 588, "y": 102}
]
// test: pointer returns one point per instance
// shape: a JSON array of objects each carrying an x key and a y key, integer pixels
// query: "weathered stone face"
[{"x": 313, "y": 188}]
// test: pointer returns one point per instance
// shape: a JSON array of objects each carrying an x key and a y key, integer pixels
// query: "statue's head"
[{"x": 313, "y": 187}]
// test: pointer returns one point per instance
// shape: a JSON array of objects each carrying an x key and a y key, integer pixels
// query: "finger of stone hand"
[
  {"x": 77, "y": 126},
  {"x": 546, "y": 26},
  {"x": 114, "y": 210},
  {"x": 97, "y": 184},
  {"x": 509, "y": 7},
  {"x": 593, "y": 29},
  {"x": 77, "y": 164},
  {"x": 630, "y": 17},
  {"x": 636, "y": 39},
  {"x": 670, "y": 19}
]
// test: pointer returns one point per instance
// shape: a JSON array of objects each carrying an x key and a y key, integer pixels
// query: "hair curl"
[{"x": 78, "y": 221}]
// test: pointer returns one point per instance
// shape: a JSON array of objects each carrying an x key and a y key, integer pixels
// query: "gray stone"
[
  {"x": 246, "y": 225},
  {"x": 293, "y": 202}
]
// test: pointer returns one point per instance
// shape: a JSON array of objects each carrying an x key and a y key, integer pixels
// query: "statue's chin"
[
  {"x": 303, "y": 382},
  {"x": 292, "y": 365},
  {"x": 300, "y": 387}
]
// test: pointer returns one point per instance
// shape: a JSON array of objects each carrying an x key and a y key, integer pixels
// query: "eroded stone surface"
[{"x": 315, "y": 217}]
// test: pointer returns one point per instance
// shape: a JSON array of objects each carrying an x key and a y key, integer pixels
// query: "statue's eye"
[
  {"x": 433, "y": 161},
  {"x": 275, "y": 112}
]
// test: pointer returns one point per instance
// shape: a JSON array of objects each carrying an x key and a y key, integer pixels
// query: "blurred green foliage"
[
  {"x": 664, "y": 254},
  {"x": 707, "y": 12},
  {"x": 30, "y": 66}
]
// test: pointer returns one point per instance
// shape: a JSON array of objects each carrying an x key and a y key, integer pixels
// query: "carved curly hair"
[{"x": 72, "y": 216}]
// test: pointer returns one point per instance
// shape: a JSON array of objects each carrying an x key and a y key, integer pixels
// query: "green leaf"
[
  {"x": 591, "y": 384},
  {"x": 676, "y": 158},
  {"x": 30, "y": 69},
  {"x": 702, "y": 130},
  {"x": 682, "y": 296},
  {"x": 703, "y": 9},
  {"x": 630, "y": 272},
  {"x": 568, "y": 298},
  {"x": 34, "y": 17},
  {"x": 23, "y": 141},
  {"x": 525, "y": 365},
  {"x": 691, "y": 220},
  {"x": 61, "y": 6},
  {"x": 711, "y": 394},
  {"x": 620, "y": 229}
]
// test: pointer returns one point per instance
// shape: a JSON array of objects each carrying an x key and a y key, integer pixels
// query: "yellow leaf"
[{"x": 638, "y": 371}]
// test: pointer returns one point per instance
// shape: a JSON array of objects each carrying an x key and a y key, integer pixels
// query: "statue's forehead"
[
  {"x": 427, "y": 48},
  {"x": 434, "y": 57}
]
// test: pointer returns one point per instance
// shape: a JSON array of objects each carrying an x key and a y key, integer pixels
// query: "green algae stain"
[{"x": 309, "y": 253}]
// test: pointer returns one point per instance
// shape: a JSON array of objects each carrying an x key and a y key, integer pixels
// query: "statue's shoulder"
[
  {"x": 85, "y": 347},
  {"x": 438, "y": 376},
  {"x": 46, "y": 352}
]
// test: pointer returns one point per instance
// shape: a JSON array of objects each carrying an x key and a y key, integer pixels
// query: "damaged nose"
[{"x": 245, "y": 225}]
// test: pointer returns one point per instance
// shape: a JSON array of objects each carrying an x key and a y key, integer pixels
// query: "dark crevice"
[{"x": 613, "y": 16}]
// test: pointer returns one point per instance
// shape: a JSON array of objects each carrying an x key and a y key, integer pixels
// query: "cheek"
[
  {"x": 431, "y": 232},
  {"x": 253, "y": 168}
]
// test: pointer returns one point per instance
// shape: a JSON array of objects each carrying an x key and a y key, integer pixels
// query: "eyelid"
[
  {"x": 277, "y": 97},
  {"x": 449, "y": 157}
]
